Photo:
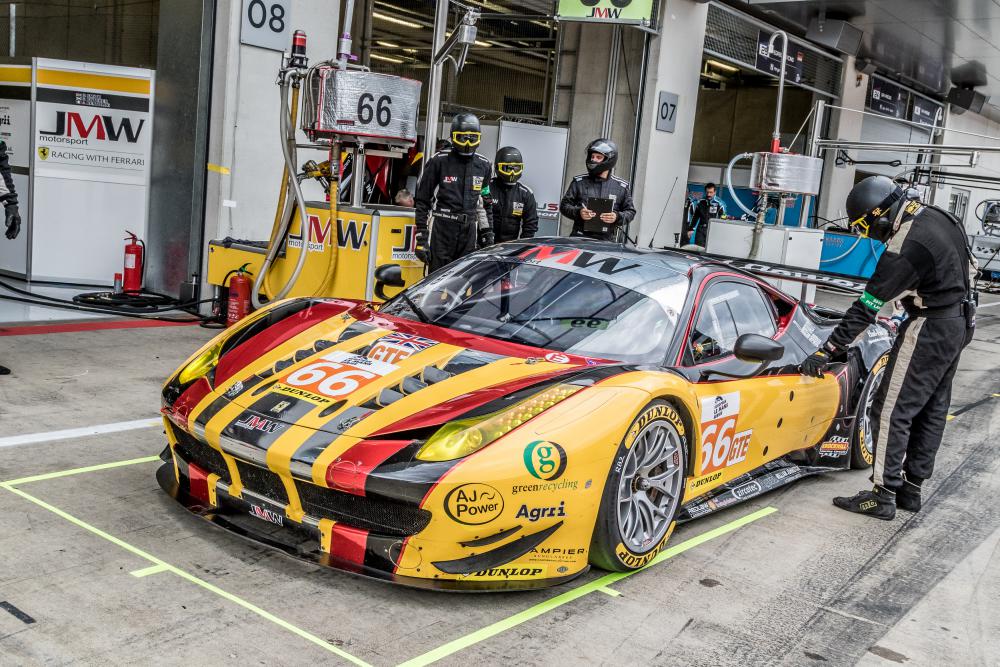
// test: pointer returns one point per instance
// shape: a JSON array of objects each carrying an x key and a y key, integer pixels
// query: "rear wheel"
[
  {"x": 645, "y": 489},
  {"x": 863, "y": 444}
]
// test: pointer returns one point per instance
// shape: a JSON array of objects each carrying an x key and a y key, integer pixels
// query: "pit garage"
[{"x": 261, "y": 452}]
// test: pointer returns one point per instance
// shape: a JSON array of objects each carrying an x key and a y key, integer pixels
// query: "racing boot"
[
  {"x": 908, "y": 496},
  {"x": 880, "y": 503}
]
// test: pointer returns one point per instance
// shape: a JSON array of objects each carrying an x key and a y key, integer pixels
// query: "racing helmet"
[
  {"x": 608, "y": 149},
  {"x": 510, "y": 164},
  {"x": 873, "y": 207},
  {"x": 465, "y": 133}
]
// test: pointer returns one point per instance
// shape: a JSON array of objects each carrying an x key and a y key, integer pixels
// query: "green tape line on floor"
[{"x": 578, "y": 592}]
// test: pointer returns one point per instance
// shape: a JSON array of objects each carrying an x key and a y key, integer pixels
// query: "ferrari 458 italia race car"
[{"x": 525, "y": 412}]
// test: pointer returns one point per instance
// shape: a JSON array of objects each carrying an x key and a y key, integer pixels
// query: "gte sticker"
[
  {"x": 545, "y": 460},
  {"x": 721, "y": 446},
  {"x": 336, "y": 375},
  {"x": 398, "y": 346},
  {"x": 473, "y": 504}
]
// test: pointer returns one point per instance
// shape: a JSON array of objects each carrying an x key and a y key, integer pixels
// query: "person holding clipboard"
[{"x": 599, "y": 203}]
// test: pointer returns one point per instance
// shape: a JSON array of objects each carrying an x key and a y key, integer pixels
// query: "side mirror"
[
  {"x": 757, "y": 348},
  {"x": 752, "y": 348},
  {"x": 388, "y": 275}
]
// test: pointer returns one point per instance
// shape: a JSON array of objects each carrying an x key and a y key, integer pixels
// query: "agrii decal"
[{"x": 350, "y": 233}]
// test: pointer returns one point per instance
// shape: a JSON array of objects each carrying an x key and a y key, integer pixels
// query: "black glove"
[
  {"x": 815, "y": 364},
  {"x": 421, "y": 250},
  {"x": 486, "y": 238},
  {"x": 13, "y": 221}
]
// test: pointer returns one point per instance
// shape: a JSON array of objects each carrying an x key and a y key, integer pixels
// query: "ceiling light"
[
  {"x": 392, "y": 19},
  {"x": 723, "y": 66},
  {"x": 388, "y": 45},
  {"x": 388, "y": 59},
  {"x": 410, "y": 50}
]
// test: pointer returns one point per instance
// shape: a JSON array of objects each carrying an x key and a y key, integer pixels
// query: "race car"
[{"x": 528, "y": 411}]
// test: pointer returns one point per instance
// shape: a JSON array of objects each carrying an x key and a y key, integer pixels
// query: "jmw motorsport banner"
[
  {"x": 91, "y": 133},
  {"x": 606, "y": 11}
]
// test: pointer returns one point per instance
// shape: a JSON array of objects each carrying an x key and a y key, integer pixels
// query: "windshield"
[{"x": 548, "y": 307}]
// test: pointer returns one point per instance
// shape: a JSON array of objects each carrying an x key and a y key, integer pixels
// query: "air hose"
[
  {"x": 288, "y": 153},
  {"x": 729, "y": 182}
]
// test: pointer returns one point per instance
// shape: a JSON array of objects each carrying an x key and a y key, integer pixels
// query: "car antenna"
[{"x": 665, "y": 204}]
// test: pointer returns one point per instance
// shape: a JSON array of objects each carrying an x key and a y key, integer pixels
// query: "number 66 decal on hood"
[
  {"x": 721, "y": 445},
  {"x": 337, "y": 374}
]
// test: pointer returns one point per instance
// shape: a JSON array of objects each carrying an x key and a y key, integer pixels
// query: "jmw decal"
[
  {"x": 582, "y": 259},
  {"x": 350, "y": 234},
  {"x": 102, "y": 127}
]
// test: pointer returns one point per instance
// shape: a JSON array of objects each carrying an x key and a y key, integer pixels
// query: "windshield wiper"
[{"x": 421, "y": 315}]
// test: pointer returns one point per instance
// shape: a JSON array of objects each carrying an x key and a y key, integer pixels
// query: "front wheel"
[
  {"x": 644, "y": 490},
  {"x": 862, "y": 443}
]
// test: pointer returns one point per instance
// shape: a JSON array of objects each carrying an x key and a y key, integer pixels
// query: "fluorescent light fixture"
[
  {"x": 409, "y": 50},
  {"x": 723, "y": 66},
  {"x": 389, "y": 45},
  {"x": 392, "y": 19},
  {"x": 388, "y": 59}
]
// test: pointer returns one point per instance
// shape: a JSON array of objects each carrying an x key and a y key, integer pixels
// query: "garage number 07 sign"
[{"x": 266, "y": 23}]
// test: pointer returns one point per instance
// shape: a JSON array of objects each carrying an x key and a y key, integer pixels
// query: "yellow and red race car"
[{"x": 521, "y": 414}]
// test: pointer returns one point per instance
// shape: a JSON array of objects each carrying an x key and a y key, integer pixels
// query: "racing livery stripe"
[
  {"x": 189, "y": 400},
  {"x": 277, "y": 334},
  {"x": 350, "y": 472},
  {"x": 348, "y": 543}
]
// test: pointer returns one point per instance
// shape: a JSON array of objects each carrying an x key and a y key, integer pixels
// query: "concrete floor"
[{"x": 100, "y": 567}]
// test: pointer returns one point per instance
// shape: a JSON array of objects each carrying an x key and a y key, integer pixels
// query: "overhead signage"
[
  {"x": 770, "y": 62},
  {"x": 266, "y": 23},
  {"x": 924, "y": 111},
  {"x": 606, "y": 11},
  {"x": 887, "y": 98},
  {"x": 666, "y": 111}
]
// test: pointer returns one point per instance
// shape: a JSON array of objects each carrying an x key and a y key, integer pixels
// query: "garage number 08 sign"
[{"x": 266, "y": 23}]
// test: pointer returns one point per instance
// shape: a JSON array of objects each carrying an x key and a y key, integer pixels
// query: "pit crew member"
[
  {"x": 515, "y": 214},
  {"x": 599, "y": 183}
]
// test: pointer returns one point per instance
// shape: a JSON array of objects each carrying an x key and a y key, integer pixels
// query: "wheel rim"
[
  {"x": 866, "y": 420},
  {"x": 650, "y": 486}
]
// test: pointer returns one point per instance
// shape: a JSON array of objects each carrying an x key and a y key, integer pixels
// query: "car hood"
[{"x": 362, "y": 374}]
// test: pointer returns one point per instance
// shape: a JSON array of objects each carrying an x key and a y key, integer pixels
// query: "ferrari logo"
[{"x": 43, "y": 152}]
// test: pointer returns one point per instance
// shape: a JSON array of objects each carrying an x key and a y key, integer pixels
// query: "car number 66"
[
  {"x": 715, "y": 444},
  {"x": 329, "y": 379}
]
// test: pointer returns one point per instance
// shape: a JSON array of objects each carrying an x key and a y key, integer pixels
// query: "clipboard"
[{"x": 601, "y": 204}]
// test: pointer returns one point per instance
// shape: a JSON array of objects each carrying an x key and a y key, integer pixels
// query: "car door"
[{"x": 746, "y": 422}]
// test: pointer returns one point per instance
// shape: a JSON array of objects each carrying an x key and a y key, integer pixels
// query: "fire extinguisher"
[
  {"x": 238, "y": 302},
  {"x": 134, "y": 253}
]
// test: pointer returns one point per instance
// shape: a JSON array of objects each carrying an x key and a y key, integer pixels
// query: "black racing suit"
[
  {"x": 449, "y": 192},
  {"x": 928, "y": 265},
  {"x": 515, "y": 214},
  {"x": 583, "y": 187},
  {"x": 696, "y": 231},
  {"x": 7, "y": 193}
]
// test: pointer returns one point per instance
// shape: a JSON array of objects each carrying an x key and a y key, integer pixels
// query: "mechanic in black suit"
[
  {"x": 8, "y": 197},
  {"x": 928, "y": 264}
]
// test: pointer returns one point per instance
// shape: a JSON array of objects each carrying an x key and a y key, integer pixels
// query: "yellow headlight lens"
[
  {"x": 461, "y": 438},
  {"x": 201, "y": 365}
]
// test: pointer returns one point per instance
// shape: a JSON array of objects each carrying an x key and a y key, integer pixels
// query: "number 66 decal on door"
[
  {"x": 337, "y": 374},
  {"x": 721, "y": 446}
]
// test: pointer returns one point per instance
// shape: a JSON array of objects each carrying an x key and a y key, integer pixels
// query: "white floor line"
[
  {"x": 988, "y": 305},
  {"x": 32, "y": 438}
]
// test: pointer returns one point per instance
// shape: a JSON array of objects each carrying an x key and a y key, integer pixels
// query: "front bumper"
[{"x": 493, "y": 563}]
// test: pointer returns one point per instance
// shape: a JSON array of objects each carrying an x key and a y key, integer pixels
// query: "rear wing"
[{"x": 834, "y": 281}]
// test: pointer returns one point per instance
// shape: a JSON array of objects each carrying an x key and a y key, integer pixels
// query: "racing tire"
[
  {"x": 644, "y": 491},
  {"x": 862, "y": 446}
]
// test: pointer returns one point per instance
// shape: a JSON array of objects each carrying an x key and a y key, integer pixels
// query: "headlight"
[
  {"x": 201, "y": 365},
  {"x": 465, "y": 436}
]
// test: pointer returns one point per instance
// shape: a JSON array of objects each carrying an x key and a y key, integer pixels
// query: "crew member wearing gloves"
[
  {"x": 598, "y": 184},
  {"x": 12, "y": 217},
  {"x": 515, "y": 214},
  {"x": 927, "y": 263},
  {"x": 449, "y": 193}
]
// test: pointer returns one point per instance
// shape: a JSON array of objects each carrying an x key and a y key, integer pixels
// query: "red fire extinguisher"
[
  {"x": 238, "y": 304},
  {"x": 132, "y": 275}
]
